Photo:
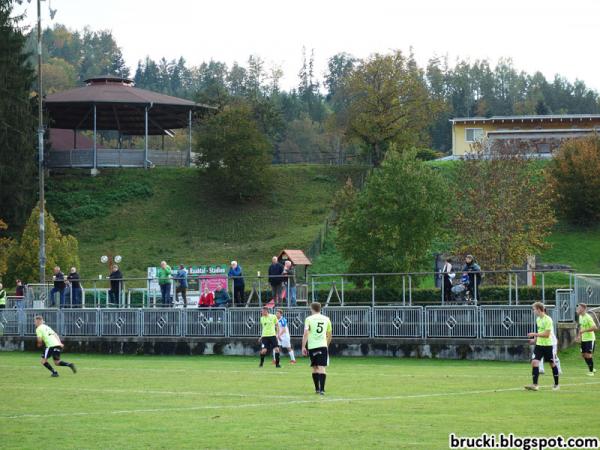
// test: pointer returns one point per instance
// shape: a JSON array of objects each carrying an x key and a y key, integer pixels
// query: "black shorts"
[
  {"x": 53, "y": 352},
  {"x": 268, "y": 342},
  {"x": 319, "y": 357},
  {"x": 543, "y": 351},
  {"x": 587, "y": 347}
]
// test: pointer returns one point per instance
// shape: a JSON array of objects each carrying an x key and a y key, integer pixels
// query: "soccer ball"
[{"x": 104, "y": 259}]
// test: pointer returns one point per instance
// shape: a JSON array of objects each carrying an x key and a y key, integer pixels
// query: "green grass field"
[{"x": 123, "y": 402}]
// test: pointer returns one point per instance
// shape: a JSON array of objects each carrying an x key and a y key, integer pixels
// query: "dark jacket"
[
  {"x": 473, "y": 270},
  {"x": 74, "y": 280},
  {"x": 274, "y": 270},
  {"x": 20, "y": 291},
  {"x": 59, "y": 280},
  {"x": 291, "y": 276},
  {"x": 222, "y": 298},
  {"x": 237, "y": 272},
  {"x": 115, "y": 281}
]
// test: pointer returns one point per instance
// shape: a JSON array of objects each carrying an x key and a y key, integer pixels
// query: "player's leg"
[
  {"x": 316, "y": 379},
  {"x": 46, "y": 364},
  {"x": 555, "y": 373},
  {"x": 587, "y": 349},
  {"x": 535, "y": 370},
  {"x": 277, "y": 358},
  {"x": 290, "y": 351},
  {"x": 263, "y": 352},
  {"x": 322, "y": 378},
  {"x": 542, "y": 371},
  {"x": 59, "y": 362}
]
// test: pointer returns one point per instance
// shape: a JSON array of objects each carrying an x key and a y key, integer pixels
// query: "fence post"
[
  {"x": 443, "y": 283},
  {"x": 312, "y": 283},
  {"x": 543, "y": 288},
  {"x": 403, "y": 290},
  {"x": 259, "y": 292},
  {"x": 516, "y": 289},
  {"x": 409, "y": 290},
  {"x": 373, "y": 290},
  {"x": 509, "y": 289},
  {"x": 342, "y": 290}
]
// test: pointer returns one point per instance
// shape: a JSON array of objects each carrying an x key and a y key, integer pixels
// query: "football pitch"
[{"x": 167, "y": 402}]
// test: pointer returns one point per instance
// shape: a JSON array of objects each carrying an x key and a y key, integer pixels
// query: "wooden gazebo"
[
  {"x": 297, "y": 257},
  {"x": 113, "y": 103}
]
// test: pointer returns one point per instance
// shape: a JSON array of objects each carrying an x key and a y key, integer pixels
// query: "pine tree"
[{"x": 17, "y": 122}]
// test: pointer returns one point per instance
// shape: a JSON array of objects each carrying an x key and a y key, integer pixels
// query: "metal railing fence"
[{"x": 416, "y": 322}]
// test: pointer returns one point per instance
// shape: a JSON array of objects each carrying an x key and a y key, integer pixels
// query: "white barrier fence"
[{"x": 416, "y": 322}]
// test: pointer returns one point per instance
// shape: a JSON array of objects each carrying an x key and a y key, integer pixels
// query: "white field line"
[
  {"x": 287, "y": 403},
  {"x": 147, "y": 392}
]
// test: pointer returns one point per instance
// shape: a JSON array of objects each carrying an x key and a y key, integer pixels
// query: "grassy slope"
[
  {"x": 184, "y": 222},
  {"x": 228, "y": 402}
]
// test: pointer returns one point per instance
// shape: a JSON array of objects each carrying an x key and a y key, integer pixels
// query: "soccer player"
[
  {"x": 543, "y": 346},
  {"x": 268, "y": 338},
  {"x": 315, "y": 343},
  {"x": 587, "y": 336},
  {"x": 554, "y": 351},
  {"x": 53, "y": 346},
  {"x": 283, "y": 335}
]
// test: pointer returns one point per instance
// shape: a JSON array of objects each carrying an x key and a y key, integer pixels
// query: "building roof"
[
  {"x": 297, "y": 257},
  {"x": 119, "y": 106},
  {"x": 528, "y": 118}
]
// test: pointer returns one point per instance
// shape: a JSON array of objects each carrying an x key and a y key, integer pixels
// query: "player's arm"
[
  {"x": 592, "y": 328},
  {"x": 328, "y": 333},
  {"x": 545, "y": 334},
  {"x": 304, "y": 341},
  {"x": 39, "y": 342}
]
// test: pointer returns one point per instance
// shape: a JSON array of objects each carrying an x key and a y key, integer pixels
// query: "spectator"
[
  {"x": 2, "y": 297},
  {"x": 19, "y": 295},
  {"x": 235, "y": 272},
  {"x": 59, "y": 286},
  {"x": 207, "y": 299},
  {"x": 73, "y": 279},
  {"x": 116, "y": 282},
  {"x": 222, "y": 298},
  {"x": 290, "y": 272},
  {"x": 472, "y": 269},
  {"x": 164, "y": 281},
  {"x": 182, "y": 284},
  {"x": 447, "y": 280},
  {"x": 275, "y": 279}
]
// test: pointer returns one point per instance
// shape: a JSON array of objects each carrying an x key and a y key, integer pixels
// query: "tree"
[
  {"x": 61, "y": 250},
  {"x": 234, "y": 153},
  {"x": 5, "y": 249},
  {"x": 503, "y": 209},
  {"x": 388, "y": 102},
  {"x": 575, "y": 174},
  {"x": 17, "y": 122},
  {"x": 392, "y": 223}
]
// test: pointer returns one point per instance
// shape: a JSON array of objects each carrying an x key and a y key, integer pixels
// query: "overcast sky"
[{"x": 552, "y": 36}]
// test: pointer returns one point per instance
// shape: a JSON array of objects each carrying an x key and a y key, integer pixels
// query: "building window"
[{"x": 473, "y": 134}]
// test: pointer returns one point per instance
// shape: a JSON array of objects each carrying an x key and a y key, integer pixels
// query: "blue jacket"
[
  {"x": 222, "y": 298},
  {"x": 274, "y": 270},
  {"x": 181, "y": 276},
  {"x": 237, "y": 272}
]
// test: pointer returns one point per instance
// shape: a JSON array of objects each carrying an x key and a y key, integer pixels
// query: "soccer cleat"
[
  {"x": 532, "y": 387},
  {"x": 54, "y": 375},
  {"x": 293, "y": 362},
  {"x": 322, "y": 393},
  {"x": 591, "y": 374},
  {"x": 317, "y": 392},
  {"x": 542, "y": 371},
  {"x": 278, "y": 366},
  {"x": 260, "y": 365},
  {"x": 556, "y": 387},
  {"x": 73, "y": 368}
]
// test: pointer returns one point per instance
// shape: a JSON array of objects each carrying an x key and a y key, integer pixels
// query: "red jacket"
[{"x": 207, "y": 300}]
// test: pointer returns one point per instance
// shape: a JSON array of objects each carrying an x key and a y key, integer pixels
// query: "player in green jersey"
[
  {"x": 543, "y": 346},
  {"x": 587, "y": 336},
  {"x": 48, "y": 338},
  {"x": 268, "y": 337},
  {"x": 315, "y": 343}
]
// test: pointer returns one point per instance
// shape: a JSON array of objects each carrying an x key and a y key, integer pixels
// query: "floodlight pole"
[{"x": 42, "y": 223}]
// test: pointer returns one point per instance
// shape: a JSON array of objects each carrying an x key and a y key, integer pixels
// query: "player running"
[
  {"x": 268, "y": 338},
  {"x": 283, "y": 335},
  {"x": 316, "y": 340},
  {"x": 587, "y": 336},
  {"x": 53, "y": 346},
  {"x": 543, "y": 346}
]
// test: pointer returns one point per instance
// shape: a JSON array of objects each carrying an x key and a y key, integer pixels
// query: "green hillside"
[{"x": 172, "y": 214}]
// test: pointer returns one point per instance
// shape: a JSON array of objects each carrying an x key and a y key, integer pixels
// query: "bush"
[
  {"x": 428, "y": 154},
  {"x": 576, "y": 177}
]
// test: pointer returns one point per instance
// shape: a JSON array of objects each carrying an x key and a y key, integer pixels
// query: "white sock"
[
  {"x": 292, "y": 357},
  {"x": 273, "y": 354}
]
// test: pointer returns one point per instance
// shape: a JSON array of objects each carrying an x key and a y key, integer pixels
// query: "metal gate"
[
  {"x": 161, "y": 322},
  {"x": 9, "y": 322},
  {"x": 244, "y": 322},
  {"x": 51, "y": 318},
  {"x": 503, "y": 321},
  {"x": 205, "y": 322},
  {"x": 452, "y": 321},
  {"x": 81, "y": 322},
  {"x": 398, "y": 321},
  {"x": 120, "y": 322},
  {"x": 350, "y": 321}
]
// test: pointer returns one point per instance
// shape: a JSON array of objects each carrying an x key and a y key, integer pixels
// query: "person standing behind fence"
[
  {"x": 182, "y": 284},
  {"x": 275, "y": 279},
  {"x": 474, "y": 271},
  {"x": 116, "y": 280},
  {"x": 235, "y": 272},
  {"x": 20, "y": 295},
  {"x": 164, "y": 281},
  {"x": 447, "y": 281},
  {"x": 290, "y": 272},
  {"x": 73, "y": 279},
  {"x": 59, "y": 286},
  {"x": 2, "y": 297}
]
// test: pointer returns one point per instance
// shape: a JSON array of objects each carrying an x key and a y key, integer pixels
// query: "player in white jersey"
[
  {"x": 283, "y": 335},
  {"x": 554, "y": 352}
]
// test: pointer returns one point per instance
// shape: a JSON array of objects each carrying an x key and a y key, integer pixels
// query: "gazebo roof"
[
  {"x": 297, "y": 257},
  {"x": 119, "y": 106}
]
